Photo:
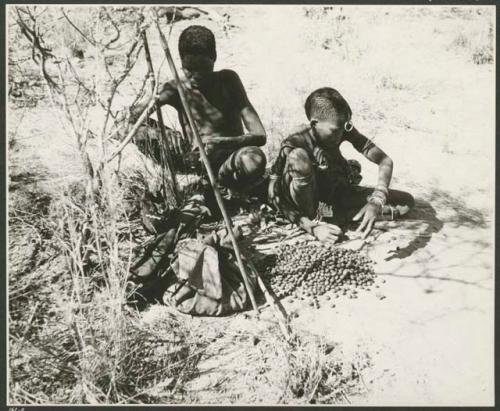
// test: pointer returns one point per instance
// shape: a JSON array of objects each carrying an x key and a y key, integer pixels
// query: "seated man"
[
  {"x": 220, "y": 107},
  {"x": 310, "y": 168}
]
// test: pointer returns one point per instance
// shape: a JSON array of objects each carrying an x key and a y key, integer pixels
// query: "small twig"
[
  {"x": 28, "y": 325},
  {"x": 345, "y": 397},
  {"x": 35, "y": 38},
  {"x": 168, "y": 156},
  {"x": 172, "y": 23},
  {"x": 34, "y": 228},
  {"x": 129, "y": 65},
  {"x": 115, "y": 26},
  {"x": 14, "y": 134},
  {"x": 140, "y": 93},
  {"x": 93, "y": 43}
]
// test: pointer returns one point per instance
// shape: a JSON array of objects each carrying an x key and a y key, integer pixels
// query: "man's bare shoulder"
[
  {"x": 228, "y": 74},
  {"x": 229, "y": 78}
]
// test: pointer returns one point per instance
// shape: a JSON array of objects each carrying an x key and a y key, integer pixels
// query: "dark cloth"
[
  {"x": 338, "y": 172},
  {"x": 330, "y": 185}
]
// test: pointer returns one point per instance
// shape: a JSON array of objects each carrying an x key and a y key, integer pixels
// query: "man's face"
[
  {"x": 197, "y": 64},
  {"x": 330, "y": 129}
]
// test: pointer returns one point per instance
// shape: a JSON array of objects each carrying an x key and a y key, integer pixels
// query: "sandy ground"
[
  {"x": 431, "y": 339},
  {"x": 413, "y": 88}
]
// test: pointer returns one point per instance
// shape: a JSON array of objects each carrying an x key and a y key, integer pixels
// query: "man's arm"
[
  {"x": 167, "y": 95},
  {"x": 256, "y": 135}
]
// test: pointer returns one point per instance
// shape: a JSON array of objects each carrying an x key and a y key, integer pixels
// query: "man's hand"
[
  {"x": 369, "y": 214},
  {"x": 326, "y": 232},
  {"x": 209, "y": 142},
  {"x": 150, "y": 84},
  {"x": 273, "y": 191},
  {"x": 209, "y": 148}
]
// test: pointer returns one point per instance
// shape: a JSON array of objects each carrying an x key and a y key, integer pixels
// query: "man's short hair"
[
  {"x": 322, "y": 101},
  {"x": 197, "y": 41}
]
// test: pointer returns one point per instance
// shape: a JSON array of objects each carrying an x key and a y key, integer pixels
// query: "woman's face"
[{"x": 330, "y": 130}]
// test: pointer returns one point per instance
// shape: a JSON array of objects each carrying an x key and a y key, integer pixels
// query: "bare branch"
[
  {"x": 172, "y": 23},
  {"x": 140, "y": 93},
  {"x": 93, "y": 43},
  {"x": 35, "y": 38},
  {"x": 115, "y": 26},
  {"x": 131, "y": 59}
]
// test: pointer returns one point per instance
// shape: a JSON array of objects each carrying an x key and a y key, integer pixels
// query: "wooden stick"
[
  {"x": 280, "y": 313},
  {"x": 206, "y": 163},
  {"x": 170, "y": 167},
  {"x": 132, "y": 132}
]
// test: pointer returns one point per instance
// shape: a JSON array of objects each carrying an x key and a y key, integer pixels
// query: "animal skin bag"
[
  {"x": 209, "y": 282},
  {"x": 197, "y": 277}
]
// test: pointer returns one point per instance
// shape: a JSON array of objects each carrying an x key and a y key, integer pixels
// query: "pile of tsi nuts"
[{"x": 307, "y": 270}]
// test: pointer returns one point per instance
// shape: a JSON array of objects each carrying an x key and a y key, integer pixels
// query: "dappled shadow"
[
  {"x": 468, "y": 268},
  {"x": 418, "y": 226},
  {"x": 427, "y": 276},
  {"x": 26, "y": 175},
  {"x": 424, "y": 216},
  {"x": 461, "y": 213},
  {"x": 30, "y": 204},
  {"x": 461, "y": 257},
  {"x": 20, "y": 180}
]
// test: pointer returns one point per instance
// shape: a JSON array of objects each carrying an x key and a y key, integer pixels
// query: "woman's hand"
[
  {"x": 369, "y": 214},
  {"x": 326, "y": 232}
]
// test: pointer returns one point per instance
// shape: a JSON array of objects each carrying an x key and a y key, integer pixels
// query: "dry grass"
[
  {"x": 79, "y": 343},
  {"x": 251, "y": 363}
]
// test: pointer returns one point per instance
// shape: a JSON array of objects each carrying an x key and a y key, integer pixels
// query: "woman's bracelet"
[
  {"x": 384, "y": 189},
  {"x": 376, "y": 200},
  {"x": 378, "y": 197}
]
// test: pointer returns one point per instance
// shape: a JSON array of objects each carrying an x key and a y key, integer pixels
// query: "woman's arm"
[{"x": 377, "y": 200}]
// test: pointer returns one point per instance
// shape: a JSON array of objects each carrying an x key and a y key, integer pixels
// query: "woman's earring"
[{"x": 348, "y": 126}]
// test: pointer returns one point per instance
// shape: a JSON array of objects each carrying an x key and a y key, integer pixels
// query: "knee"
[
  {"x": 299, "y": 163},
  {"x": 408, "y": 200},
  {"x": 401, "y": 199},
  {"x": 251, "y": 162}
]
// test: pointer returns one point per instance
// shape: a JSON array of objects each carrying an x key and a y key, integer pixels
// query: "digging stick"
[
  {"x": 170, "y": 167},
  {"x": 206, "y": 163},
  {"x": 279, "y": 313}
]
